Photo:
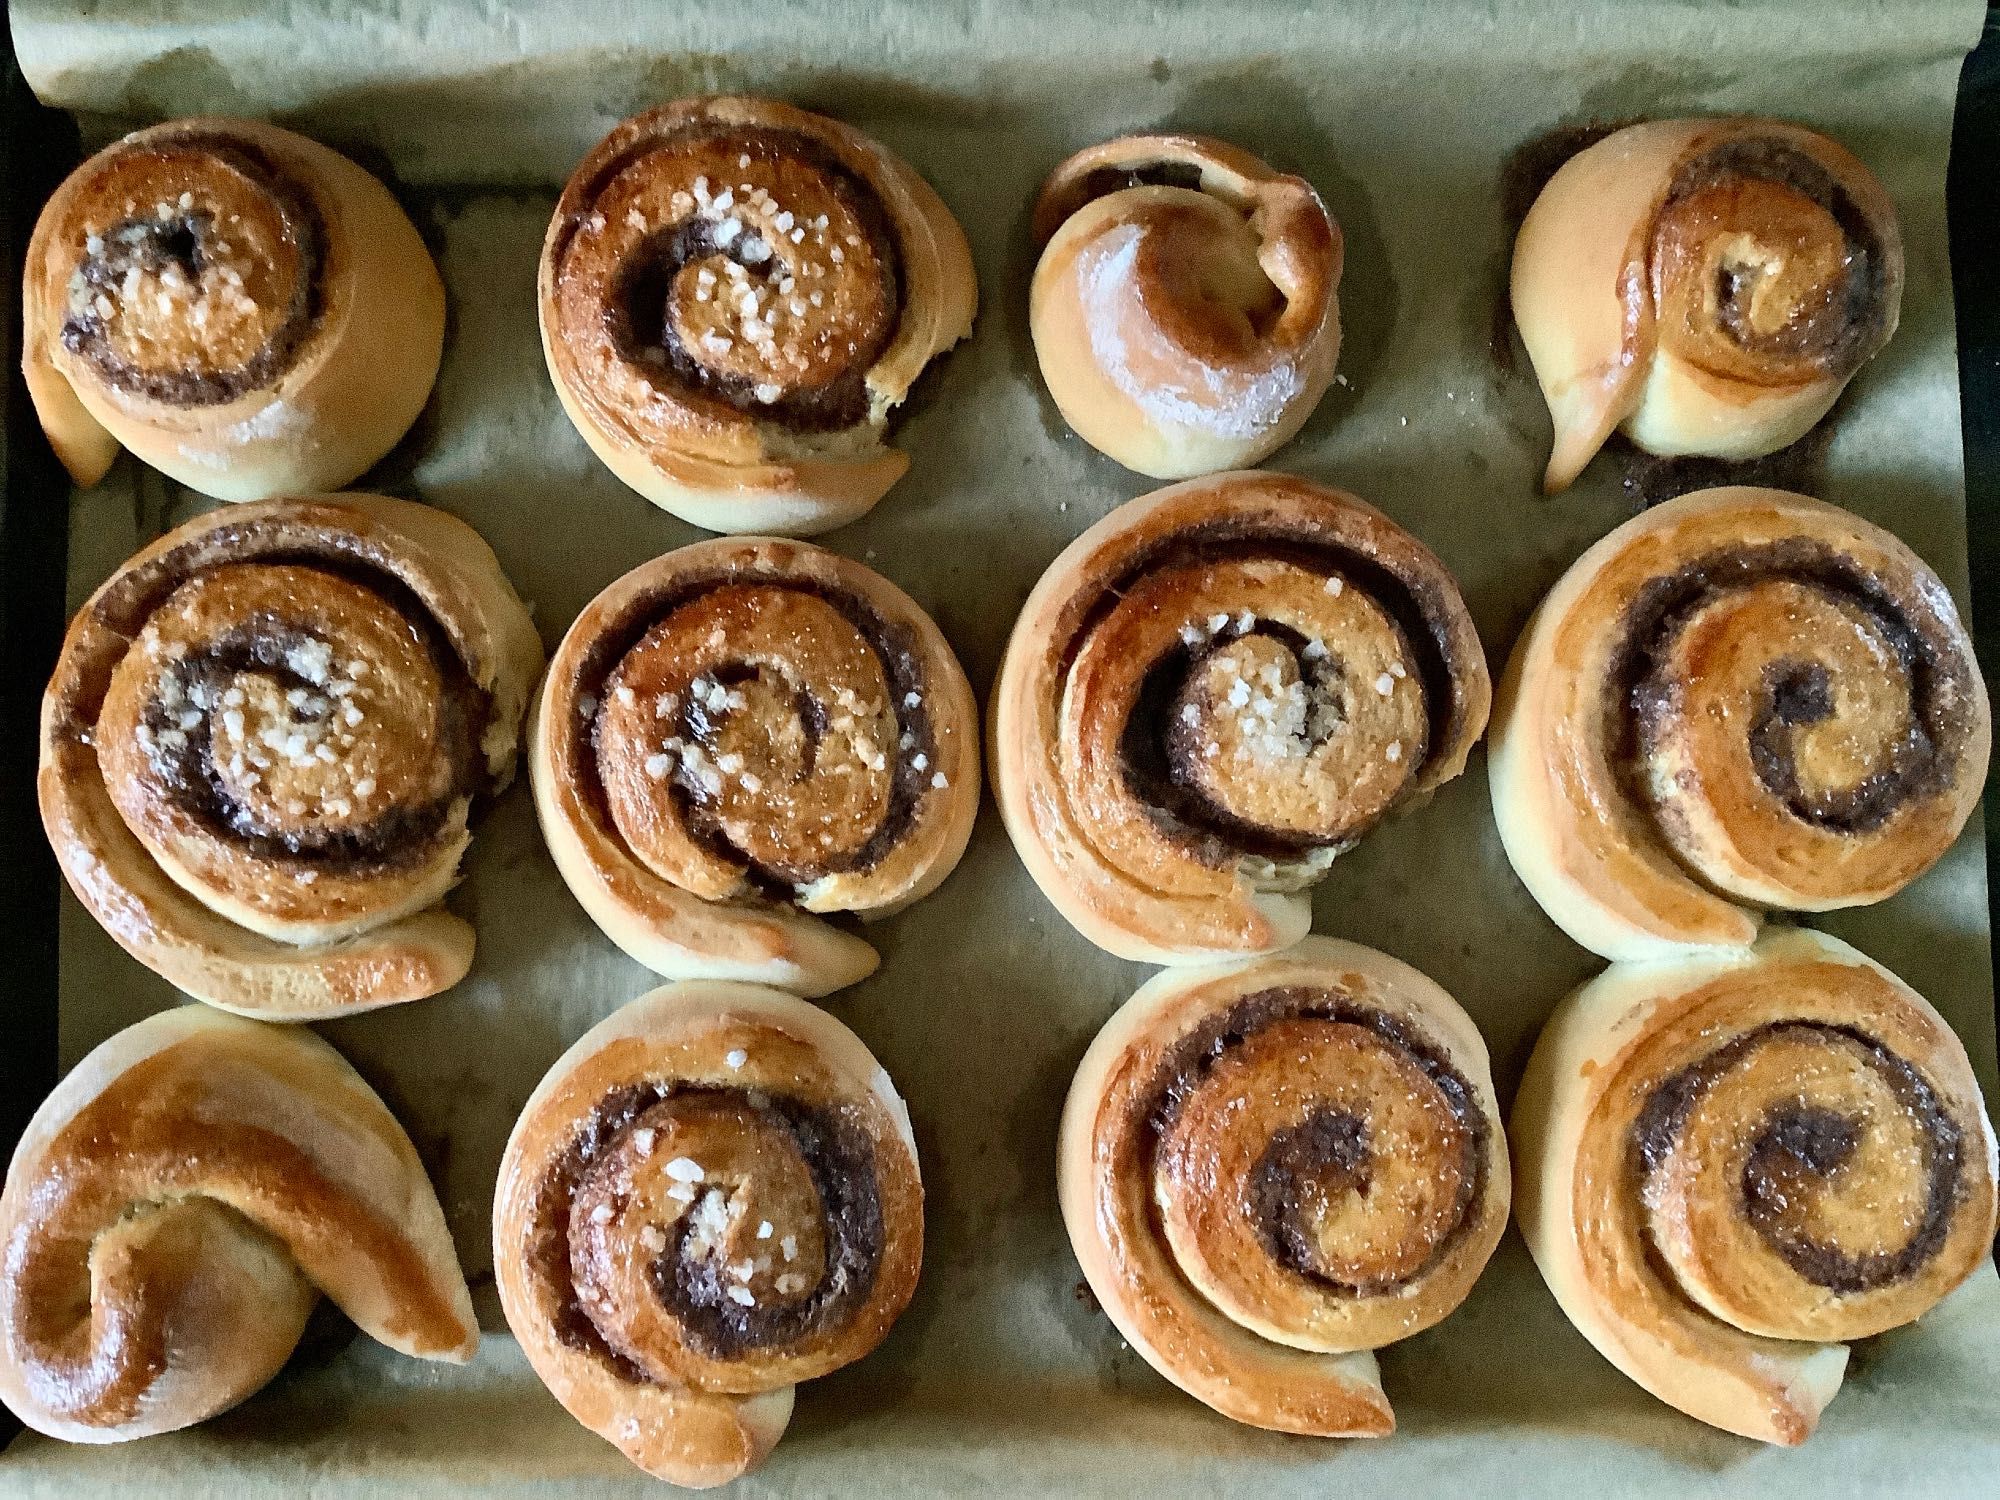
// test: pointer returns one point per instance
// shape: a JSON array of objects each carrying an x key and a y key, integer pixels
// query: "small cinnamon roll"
[
  {"x": 741, "y": 734},
  {"x": 1710, "y": 286},
  {"x": 263, "y": 741},
  {"x": 734, "y": 295},
  {"x": 247, "y": 311},
  {"x": 176, "y": 1208},
  {"x": 711, "y": 1197},
  {"x": 1185, "y": 309},
  {"x": 1270, "y": 1168},
  {"x": 1740, "y": 699},
  {"x": 1212, "y": 693},
  {"x": 1730, "y": 1164}
]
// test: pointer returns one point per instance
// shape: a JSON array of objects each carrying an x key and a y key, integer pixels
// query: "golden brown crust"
[
  {"x": 244, "y": 309},
  {"x": 1726, "y": 1163},
  {"x": 733, "y": 296},
  {"x": 1185, "y": 309},
  {"x": 1269, "y": 1168},
  {"x": 1214, "y": 691},
  {"x": 740, "y": 734},
  {"x": 176, "y": 1207},
  {"x": 712, "y": 1196},
  {"x": 262, "y": 741},
  {"x": 1708, "y": 285},
  {"x": 1743, "y": 698}
]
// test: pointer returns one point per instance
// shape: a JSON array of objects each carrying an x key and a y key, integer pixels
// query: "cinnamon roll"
[
  {"x": 1272, "y": 1167},
  {"x": 247, "y": 311},
  {"x": 1710, "y": 286},
  {"x": 744, "y": 734},
  {"x": 1212, "y": 693},
  {"x": 734, "y": 295},
  {"x": 1185, "y": 309},
  {"x": 1730, "y": 1164},
  {"x": 176, "y": 1208},
  {"x": 1741, "y": 699},
  {"x": 263, "y": 740},
  {"x": 712, "y": 1197}
]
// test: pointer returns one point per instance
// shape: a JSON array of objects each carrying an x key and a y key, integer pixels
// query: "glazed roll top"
[
  {"x": 244, "y": 308},
  {"x": 1185, "y": 308},
  {"x": 734, "y": 294},
  {"x": 1711, "y": 285},
  {"x": 174, "y": 1210},
  {"x": 1724, "y": 1156},
  {"x": 744, "y": 731},
  {"x": 1215, "y": 691},
  {"x": 1266, "y": 1167},
  {"x": 1742, "y": 696},
  {"x": 1769, "y": 265},
  {"x": 712, "y": 1197},
  {"x": 291, "y": 709},
  {"x": 209, "y": 284}
]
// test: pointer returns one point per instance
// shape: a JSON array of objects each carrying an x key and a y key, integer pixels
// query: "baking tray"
[{"x": 1053, "y": 1438}]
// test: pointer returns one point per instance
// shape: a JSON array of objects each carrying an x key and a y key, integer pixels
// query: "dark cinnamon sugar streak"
[{"x": 686, "y": 1275}]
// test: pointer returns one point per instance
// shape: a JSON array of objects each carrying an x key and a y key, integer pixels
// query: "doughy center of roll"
[
  {"x": 195, "y": 273},
  {"x": 1798, "y": 1160},
  {"x": 757, "y": 733},
  {"x": 287, "y": 710}
]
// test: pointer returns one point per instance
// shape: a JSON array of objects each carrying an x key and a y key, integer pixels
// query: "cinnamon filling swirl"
[
  {"x": 294, "y": 711},
  {"x": 770, "y": 730},
  {"x": 1859, "y": 707},
  {"x": 1373, "y": 1176},
  {"x": 771, "y": 1232},
  {"x": 1764, "y": 262},
  {"x": 194, "y": 295},
  {"x": 751, "y": 267},
  {"x": 1854, "y": 1180},
  {"x": 1293, "y": 700}
]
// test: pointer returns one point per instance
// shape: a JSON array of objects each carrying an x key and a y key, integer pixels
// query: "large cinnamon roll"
[
  {"x": 244, "y": 309},
  {"x": 1270, "y": 1168},
  {"x": 263, "y": 740},
  {"x": 1729, "y": 1164},
  {"x": 734, "y": 295},
  {"x": 1710, "y": 286},
  {"x": 742, "y": 734},
  {"x": 1213, "y": 692},
  {"x": 1741, "y": 699},
  {"x": 712, "y": 1197},
  {"x": 176, "y": 1208},
  {"x": 1185, "y": 309}
]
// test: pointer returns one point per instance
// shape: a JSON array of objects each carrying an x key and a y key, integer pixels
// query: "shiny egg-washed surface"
[{"x": 999, "y": 1375}]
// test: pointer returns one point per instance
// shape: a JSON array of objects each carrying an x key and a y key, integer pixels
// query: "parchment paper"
[{"x": 1001, "y": 1377}]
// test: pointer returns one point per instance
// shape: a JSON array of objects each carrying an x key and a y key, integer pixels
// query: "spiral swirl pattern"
[
  {"x": 1709, "y": 285},
  {"x": 212, "y": 295},
  {"x": 288, "y": 713},
  {"x": 1730, "y": 1164},
  {"x": 734, "y": 294},
  {"x": 713, "y": 1197},
  {"x": 745, "y": 731},
  {"x": 1744, "y": 696},
  {"x": 1214, "y": 692},
  {"x": 1269, "y": 1168}
]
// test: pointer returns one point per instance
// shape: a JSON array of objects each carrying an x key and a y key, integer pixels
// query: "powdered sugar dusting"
[{"x": 1227, "y": 403}]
